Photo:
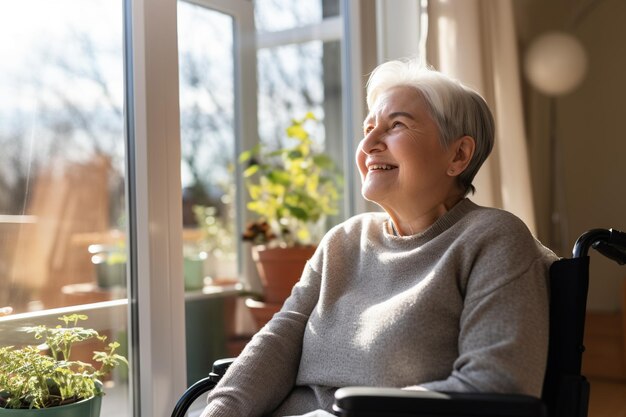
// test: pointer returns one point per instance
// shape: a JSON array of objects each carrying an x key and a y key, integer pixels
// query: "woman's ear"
[{"x": 462, "y": 152}]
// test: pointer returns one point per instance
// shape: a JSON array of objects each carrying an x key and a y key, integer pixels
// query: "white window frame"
[
  {"x": 354, "y": 110},
  {"x": 156, "y": 324},
  {"x": 157, "y": 319}
]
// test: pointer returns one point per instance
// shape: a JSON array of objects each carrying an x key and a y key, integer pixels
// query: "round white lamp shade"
[{"x": 555, "y": 63}]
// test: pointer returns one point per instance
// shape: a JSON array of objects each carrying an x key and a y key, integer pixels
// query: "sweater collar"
[{"x": 439, "y": 226}]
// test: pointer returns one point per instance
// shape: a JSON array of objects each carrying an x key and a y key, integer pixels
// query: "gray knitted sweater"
[{"x": 462, "y": 306}]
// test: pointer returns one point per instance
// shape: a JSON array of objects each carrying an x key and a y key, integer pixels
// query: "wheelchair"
[{"x": 565, "y": 390}]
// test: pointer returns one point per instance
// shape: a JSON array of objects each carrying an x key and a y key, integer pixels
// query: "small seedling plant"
[{"x": 44, "y": 376}]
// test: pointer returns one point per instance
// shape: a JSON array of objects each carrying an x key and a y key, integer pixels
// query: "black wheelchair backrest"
[{"x": 566, "y": 390}]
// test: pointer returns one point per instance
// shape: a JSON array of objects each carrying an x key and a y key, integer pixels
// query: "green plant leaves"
[
  {"x": 279, "y": 177},
  {"x": 297, "y": 131},
  {"x": 250, "y": 171},
  {"x": 292, "y": 188},
  {"x": 31, "y": 379},
  {"x": 323, "y": 161},
  {"x": 245, "y": 156}
]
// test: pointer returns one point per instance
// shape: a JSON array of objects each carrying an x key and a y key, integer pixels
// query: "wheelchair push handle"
[
  {"x": 609, "y": 242},
  {"x": 618, "y": 238}
]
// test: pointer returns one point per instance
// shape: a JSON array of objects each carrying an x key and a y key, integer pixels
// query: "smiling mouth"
[{"x": 380, "y": 167}]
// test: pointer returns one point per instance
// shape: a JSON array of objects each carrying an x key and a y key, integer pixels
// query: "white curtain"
[{"x": 474, "y": 41}]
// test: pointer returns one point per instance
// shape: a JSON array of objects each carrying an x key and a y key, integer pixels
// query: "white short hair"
[{"x": 456, "y": 109}]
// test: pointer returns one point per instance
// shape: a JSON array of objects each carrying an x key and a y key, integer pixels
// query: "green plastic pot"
[
  {"x": 111, "y": 275},
  {"x": 193, "y": 273},
  {"x": 85, "y": 408}
]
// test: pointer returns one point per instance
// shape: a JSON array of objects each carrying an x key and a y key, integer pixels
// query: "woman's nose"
[{"x": 374, "y": 141}]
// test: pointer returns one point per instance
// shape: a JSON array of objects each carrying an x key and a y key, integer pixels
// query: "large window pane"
[
  {"x": 208, "y": 135},
  {"x": 299, "y": 72},
  {"x": 292, "y": 79},
  {"x": 208, "y": 149},
  {"x": 290, "y": 85},
  {"x": 276, "y": 15},
  {"x": 62, "y": 205}
]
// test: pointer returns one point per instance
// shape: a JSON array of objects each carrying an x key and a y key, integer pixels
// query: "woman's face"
[{"x": 401, "y": 160}]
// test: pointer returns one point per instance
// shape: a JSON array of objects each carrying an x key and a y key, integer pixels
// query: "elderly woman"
[{"x": 434, "y": 293}]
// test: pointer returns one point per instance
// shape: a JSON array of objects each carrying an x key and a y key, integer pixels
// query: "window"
[
  {"x": 227, "y": 106},
  {"x": 300, "y": 70},
  {"x": 206, "y": 51},
  {"x": 207, "y": 109},
  {"x": 97, "y": 145},
  {"x": 62, "y": 171}
]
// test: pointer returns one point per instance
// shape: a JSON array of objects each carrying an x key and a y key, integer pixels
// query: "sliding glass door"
[{"x": 63, "y": 215}]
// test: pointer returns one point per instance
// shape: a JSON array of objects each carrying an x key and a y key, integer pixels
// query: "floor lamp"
[{"x": 555, "y": 64}]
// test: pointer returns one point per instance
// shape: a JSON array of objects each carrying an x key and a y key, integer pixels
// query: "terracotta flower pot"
[
  {"x": 262, "y": 312},
  {"x": 280, "y": 269}
]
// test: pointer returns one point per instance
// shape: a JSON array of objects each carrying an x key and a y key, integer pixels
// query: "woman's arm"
[
  {"x": 503, "y": 338},
  {"x": 265, "y": 372}
]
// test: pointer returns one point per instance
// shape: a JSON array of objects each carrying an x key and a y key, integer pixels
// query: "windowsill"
[
  {"x": 12, "y": 326},
  {"x": 99, "y": 314}
]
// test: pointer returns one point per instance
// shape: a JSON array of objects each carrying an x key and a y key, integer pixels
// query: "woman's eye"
[
  {"x": 397, "y": 124},
  {"x": 368, "y": 129}
]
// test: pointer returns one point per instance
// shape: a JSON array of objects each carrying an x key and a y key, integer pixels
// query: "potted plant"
[
  {"x": 215, "y": 240},
  {"x": 110, "y": 264},
  {"x": 293, "y": 190},
  {"x": 36, "y": 383}
]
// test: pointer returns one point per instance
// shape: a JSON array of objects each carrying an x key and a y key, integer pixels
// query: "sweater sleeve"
[
  {"x": 503, "y": 328},
  {"x": 503, "y": 339},
  {"x": 265, "y": 372}
]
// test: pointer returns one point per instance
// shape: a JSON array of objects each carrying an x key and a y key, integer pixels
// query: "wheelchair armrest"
[
  {"x": 192, "y": 393},
  {"x": 395, "y": 402},
  {"x": 220, "y": 366}
]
